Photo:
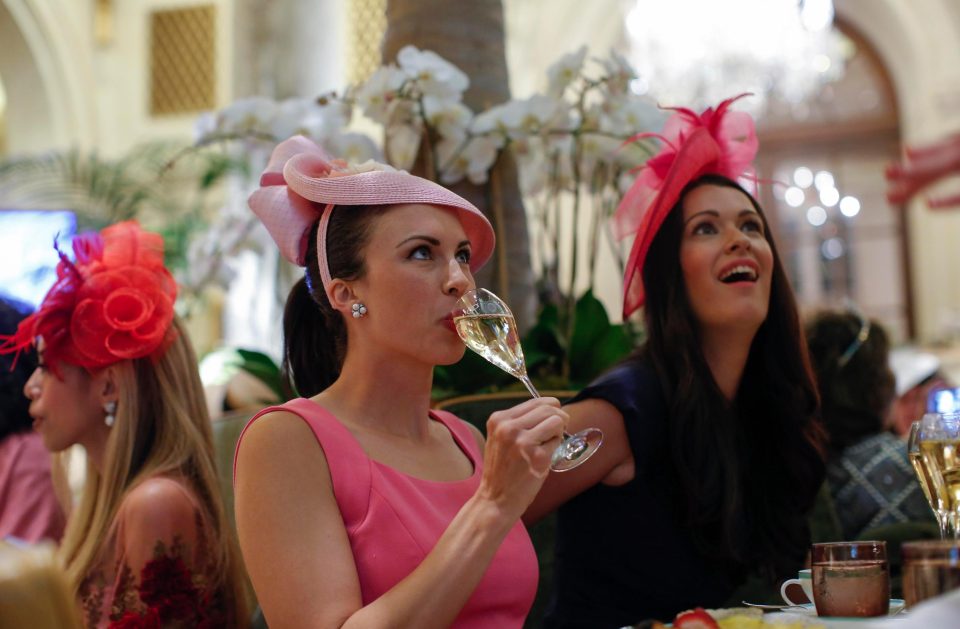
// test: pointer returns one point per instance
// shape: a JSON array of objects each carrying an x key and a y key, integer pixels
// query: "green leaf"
[
  {"x": 263, "y": 368},
  {"x": 218, "y": 366},
  {"x": 543, "y": 344},
  {"x": 596, "y": 344}
]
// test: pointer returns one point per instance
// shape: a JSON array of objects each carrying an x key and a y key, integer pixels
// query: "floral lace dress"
[{"x": 157, "y": 564}]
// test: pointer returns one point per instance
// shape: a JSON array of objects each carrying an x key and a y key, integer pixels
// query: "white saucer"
[{"x": 808, "y": 610}]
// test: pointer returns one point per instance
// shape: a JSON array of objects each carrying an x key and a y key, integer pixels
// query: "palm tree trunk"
[{"x": 470, "y": 34}]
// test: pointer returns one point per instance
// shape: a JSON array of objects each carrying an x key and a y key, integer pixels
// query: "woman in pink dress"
[
  {"x": 149, "y": 544},
  {"x": 357, "y": 506}
]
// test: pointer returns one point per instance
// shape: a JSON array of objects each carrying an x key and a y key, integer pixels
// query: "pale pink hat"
[{"x": 301, "y": 175}]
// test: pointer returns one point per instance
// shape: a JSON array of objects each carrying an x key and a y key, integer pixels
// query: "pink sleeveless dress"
[{"x": 393, "y": 520}]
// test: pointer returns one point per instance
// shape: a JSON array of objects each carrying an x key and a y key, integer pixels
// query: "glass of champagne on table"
[
  {"x": 925, "y": 479},
  {"x": 487, "y": 326},
  {"x": 940, "y": 453}
]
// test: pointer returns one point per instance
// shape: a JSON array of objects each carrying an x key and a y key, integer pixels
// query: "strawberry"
[{"x": 695, "y": 619}]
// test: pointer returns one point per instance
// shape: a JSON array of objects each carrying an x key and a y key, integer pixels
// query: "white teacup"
[{"x": 805, "y": 581}]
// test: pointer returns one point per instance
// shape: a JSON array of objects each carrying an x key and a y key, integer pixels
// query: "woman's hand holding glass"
[
  {"x": 486, "y": 325},
  {"x": 520, "y": 445}
]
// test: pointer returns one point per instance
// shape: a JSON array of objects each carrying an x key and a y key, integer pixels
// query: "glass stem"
[{"x": 533, "y": 391}]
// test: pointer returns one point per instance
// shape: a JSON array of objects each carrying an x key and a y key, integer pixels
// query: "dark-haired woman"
[
  {"x": 712, "y": 453},
  {"x": 356, "y": 505},
  {"x": 870, "y": 477},
  {"x": 29, "y": 509}
]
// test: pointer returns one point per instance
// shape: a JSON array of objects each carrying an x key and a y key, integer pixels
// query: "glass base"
[{"x": 576, "y": 449}]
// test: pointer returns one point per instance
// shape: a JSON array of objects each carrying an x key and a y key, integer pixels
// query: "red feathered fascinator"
[
  {"x": 718, "y": 141},
  {"x": 113, "y": 302}
]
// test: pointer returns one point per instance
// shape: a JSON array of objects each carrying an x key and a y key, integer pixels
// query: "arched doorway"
[
  {"x": 841, "y": 242},
  {"x": 47, "y": 78}
]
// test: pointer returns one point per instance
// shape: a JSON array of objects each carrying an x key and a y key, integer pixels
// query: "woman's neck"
[
  {"x": 382, "y": 392},
  {"x": 726, "y": 353},
  {"x": 96, "y": 448}
]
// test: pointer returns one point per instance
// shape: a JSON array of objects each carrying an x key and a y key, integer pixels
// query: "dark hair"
[
  {"x": 856, "y": 393},
  {"x": 14, "y": 415},
  {"x": 748, "y": 471},
  {"x": 314, "y": 337}
]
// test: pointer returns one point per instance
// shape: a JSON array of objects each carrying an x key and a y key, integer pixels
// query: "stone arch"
[
  {"x": 916, "y": 41},
  {"x": 47, "y": 73}
]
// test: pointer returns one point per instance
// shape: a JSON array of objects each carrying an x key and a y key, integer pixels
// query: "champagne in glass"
[
  {"x": 940, "y": 456},
  {"x": 925, "y": 478},
  {"x": 940, "y": 452},
  {"x": 494, "y": 336},
  {"x": 486, "y": 326}
]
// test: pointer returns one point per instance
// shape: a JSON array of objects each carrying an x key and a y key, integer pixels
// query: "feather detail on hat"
[{"x": 717, "y": 141}]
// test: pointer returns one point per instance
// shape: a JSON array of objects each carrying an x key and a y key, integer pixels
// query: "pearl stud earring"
[
  {"x": 110, "y": 408},
  {"x": 359, "y": 310}
]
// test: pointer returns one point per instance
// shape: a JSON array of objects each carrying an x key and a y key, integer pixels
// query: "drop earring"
[
  {"x": 110, "y": 408},
  {"x": 359, "y": 310}
]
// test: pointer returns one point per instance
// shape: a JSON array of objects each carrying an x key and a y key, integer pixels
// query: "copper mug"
[{"x": 930, "y": 568}]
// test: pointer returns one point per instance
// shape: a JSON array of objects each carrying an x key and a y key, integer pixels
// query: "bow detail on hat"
[
  {"x": 717, "y": 141},
  {"x": 287, "y": 215}
]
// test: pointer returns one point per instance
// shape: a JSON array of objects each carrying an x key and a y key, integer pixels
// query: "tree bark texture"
[{"x": 470, "y": 35}]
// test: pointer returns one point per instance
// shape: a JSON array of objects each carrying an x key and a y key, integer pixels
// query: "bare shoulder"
[
  {"x": 159, "y": 498},
  {"x": 279, "y": 437}
]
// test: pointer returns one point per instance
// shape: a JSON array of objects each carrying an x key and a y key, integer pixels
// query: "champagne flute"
[
  {"x": 487, "y": 326},
  {"x": 940, "y": 451},
  {"x": 924, "y": 477}
]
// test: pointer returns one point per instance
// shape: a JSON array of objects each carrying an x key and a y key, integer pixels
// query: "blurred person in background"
[
  {"x": 149, "y": 543},
  {"x": 870, "y": 477},
  {"x": 29, "y": 509},
  {"x": 918, "y": 376}
]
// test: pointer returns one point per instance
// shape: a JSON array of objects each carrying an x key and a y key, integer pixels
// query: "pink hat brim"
[{"x": 300, "y": 174}]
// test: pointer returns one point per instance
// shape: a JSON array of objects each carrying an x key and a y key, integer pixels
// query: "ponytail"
[
  {"x": 311, "y": 356},
  {"x": 314, "y": 335}
]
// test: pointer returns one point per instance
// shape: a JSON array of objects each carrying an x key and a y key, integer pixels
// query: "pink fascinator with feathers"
[
  {"x": 717, "y": 141},
  {"x": 302, "y": 183}
]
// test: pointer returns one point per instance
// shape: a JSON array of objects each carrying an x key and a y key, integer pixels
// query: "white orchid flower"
[
  {"x": 473, "y": 160},
  {"x": 497, "y": 119},
  {"x": 353, "y": 147},
  {"x": 563, "y": 71},
  {"x": 379, "y": 91},
  {"x": 402, "y": 145},
  {"x": 627, "y": 115},
  {"x": 434, "y": 75},
  {"x": 297, "y": 116},
  {"x": 450, "y": 118},
  {"x": 618, "y": 71},
  {"x": 205, "y": 124},
  {"x": 403, "y": 112},
  {"x": 368, "y": 166},
  {"x": 247, "y": 114},
  {"x": 518, "y": 118}
]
